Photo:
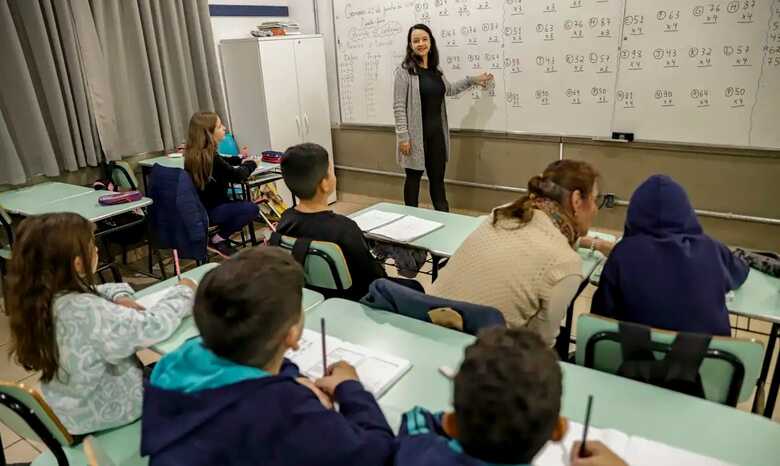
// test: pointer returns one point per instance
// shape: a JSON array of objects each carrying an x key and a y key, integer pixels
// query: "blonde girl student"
[{"x": 82, "y": 337}]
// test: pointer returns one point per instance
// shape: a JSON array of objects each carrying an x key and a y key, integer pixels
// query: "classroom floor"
[{"x": 18, "y": 450}]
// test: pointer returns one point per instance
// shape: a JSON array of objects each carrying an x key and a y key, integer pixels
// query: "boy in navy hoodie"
[
  {"x": 665, "y": 272},
  {"x": 507, "y": 406},
  {"x": 231, "y": 398}
]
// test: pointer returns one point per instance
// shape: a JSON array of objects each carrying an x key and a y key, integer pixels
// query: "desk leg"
[
  {"x": 771, "y": 396},
  {"x": 434, "y": 267}
]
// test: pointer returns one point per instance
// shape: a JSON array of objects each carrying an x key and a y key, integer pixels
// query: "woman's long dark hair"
[
  {"x": 412, "y": 61},
  {"x": 42, "y": 266}
]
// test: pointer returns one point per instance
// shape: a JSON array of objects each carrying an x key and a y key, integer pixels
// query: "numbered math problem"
[{"x": 677, "y": 70}]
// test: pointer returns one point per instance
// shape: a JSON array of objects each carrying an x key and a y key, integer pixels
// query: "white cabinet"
[{"x": 277, "y": 93}]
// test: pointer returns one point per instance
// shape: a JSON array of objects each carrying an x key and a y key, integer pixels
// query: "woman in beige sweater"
[{"x": 522, "y": 260}]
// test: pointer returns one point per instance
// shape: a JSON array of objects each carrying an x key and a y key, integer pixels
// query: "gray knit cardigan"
[{"x": 407, "y": 108}]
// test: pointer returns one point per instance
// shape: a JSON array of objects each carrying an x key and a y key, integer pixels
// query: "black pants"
[{"x": 435, "y": 164}]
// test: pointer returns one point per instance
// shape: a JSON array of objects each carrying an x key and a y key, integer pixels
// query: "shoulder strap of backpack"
[
  {"x": 684, "y": 359},
  {"x": 275, "y": 239},
  {"x": 299, "y": 250},
  {"x": 636, "y": 347}
]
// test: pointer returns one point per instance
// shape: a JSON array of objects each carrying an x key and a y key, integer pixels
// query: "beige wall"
[{"x": 736, "y": 181}]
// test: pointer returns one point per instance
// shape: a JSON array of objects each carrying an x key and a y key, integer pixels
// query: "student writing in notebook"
[
  {"x": 507, "y": 402},
  {"x": 666, "y": 272},
  {"x": 212, "y": 176},
  {"x": 82, "y": 337},
  {"x": 309, "y": 174},
  {"x": 232, "y": 398}
]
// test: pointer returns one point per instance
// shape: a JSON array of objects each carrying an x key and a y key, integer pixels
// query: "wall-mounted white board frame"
[{"x": 574, "y": 67}]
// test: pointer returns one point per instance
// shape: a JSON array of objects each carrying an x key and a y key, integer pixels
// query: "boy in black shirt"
[{"x": 309, "y": 174}]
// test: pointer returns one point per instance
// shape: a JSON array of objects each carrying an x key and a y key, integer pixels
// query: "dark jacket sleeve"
[
  {"x": 358, "y": 434},
  {"x": 359, "y": 259},
  {"x": 734, "y": 269},
  {"x": 608, "y": 298},
  {"x": 223, "y": 172}
]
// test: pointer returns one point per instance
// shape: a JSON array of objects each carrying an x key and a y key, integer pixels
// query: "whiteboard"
[{"x": 684, "y": 71}]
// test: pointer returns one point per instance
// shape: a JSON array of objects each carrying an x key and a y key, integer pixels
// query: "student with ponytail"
[{"x": 522, "y": 260}]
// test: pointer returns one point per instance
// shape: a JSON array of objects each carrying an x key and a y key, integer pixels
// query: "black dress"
[{"x": 432, "y": 92}]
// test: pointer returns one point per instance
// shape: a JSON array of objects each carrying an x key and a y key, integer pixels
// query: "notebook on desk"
[
  {"x": 394, "y": 227},
  {"x": 373, "y": 219},
  {"x": 378, "y": 371},
  {"x": 636, "y": 451}
]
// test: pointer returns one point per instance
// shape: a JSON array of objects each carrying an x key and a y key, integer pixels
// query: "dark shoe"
[{"x": 223, "y": 248}]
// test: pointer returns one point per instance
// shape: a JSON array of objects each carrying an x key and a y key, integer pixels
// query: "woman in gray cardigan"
[{"x": 421, "y": 115}]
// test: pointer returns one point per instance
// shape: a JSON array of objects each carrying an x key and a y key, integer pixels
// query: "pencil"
[
  {"x": 324, "y": 350},
  {"x": 583, "y": 453},
  {"x": 176, "y": 264}
]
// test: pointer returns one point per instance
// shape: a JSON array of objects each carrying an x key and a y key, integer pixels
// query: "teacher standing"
[{"x": 421, "y": 116}]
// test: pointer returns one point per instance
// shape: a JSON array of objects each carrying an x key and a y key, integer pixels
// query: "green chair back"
[
  {"x": 716, "y": 373},
  {"x": 325, "y": 265},
  {"x": 24, "y": 411},
  {"x": 122, "y": 175}
]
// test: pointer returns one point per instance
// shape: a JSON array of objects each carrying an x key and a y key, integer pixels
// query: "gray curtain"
[
  {"x": 161, "y": 66},
  {"x": 83, "y": 78},
  {"x": 45, "y": 120}
]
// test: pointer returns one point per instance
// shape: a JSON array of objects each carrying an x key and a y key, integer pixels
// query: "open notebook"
[
  {"x": 394, "y": 227},
  {"x": 636, "y": 451},
  {"x": 378, "y": 371}
]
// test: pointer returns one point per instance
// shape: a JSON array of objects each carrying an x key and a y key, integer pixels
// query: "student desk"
[
  {"x": 54, "y": 197},
  {"x": 441, "y": 243},
  {"x": 759, "y": 298},
  {"x": 632, "y": 407},
  {"x": 187, "y": 328},
  {"x": 23, "y": 200},
  {"x": 265, "y": 172}
]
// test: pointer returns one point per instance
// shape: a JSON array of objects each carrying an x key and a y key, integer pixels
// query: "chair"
[
  {"x": 121, "y": 174},
  {"x": 324, "y": 265},
  {"x": 24, "y": 411},
  {"x": 5, "y": 249},
  {"x": 729, "y": 371},
  {"x": 177, "y": 218}
]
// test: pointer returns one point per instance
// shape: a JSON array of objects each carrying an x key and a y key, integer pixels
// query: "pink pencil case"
[{"x": 120, "y": 198}]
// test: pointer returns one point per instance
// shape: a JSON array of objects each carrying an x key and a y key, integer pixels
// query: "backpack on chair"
[{"x": 678, "y": 370}]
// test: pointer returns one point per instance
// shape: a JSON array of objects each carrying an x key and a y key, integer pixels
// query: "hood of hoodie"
[
  {"x": 193, "y": 368},
  {"x": 660, "y": 208},
  {"x": 191, "y": 386}
]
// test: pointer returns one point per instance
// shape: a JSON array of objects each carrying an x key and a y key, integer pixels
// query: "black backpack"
[{"x": 678, "y": 370}]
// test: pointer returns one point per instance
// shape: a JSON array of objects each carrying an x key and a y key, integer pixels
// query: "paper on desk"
[
  {"x": 148, "y": 301},
  {"x": 636, "y": 451},
  {"x": 367, "y": 221},
  {"x": 406, "y": 229},
  {"x": 377, "y": 371}
]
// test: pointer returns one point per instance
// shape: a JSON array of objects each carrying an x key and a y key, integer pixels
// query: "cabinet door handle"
[
  {"x": 306, "y": 122},
  {"x": 298, "y": 122}
]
